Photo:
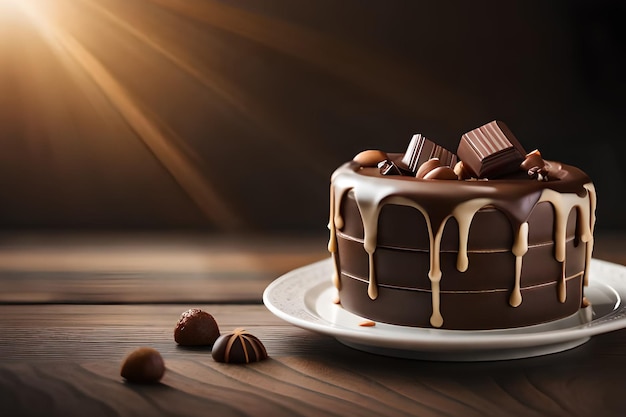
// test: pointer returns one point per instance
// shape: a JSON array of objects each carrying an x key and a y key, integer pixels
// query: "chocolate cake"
[{"x": 491, "y": 237}]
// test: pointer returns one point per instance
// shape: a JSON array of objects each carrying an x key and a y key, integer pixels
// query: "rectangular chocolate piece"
[
  {"x": 491, "y": 151},
  {"x": 421, "y": 149}
]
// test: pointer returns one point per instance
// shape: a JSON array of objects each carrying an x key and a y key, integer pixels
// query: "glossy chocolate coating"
[
  {"x": 553, "y": 261},
  {"x": 402, "y": 260},
  {"x": 196, "y": 328},
  {"x": 238, "y": 347},
  {"x": 143, "y": 366},
  {"x": 462, "y": 311}
]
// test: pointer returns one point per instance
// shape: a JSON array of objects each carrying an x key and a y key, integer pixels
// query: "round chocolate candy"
[
  {"x": 370, "y": 157},
  {"x": 427, "y": 167},
  {"x": 143, "y": 366},
  {"x": 196, "y": 328},
  {"x": 238, "y": 347},
  {"x": 441, "y": 173}
]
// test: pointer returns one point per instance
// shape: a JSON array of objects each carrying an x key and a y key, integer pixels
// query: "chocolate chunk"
[
  {"x": 421, "y": 149},
  {"x": 533, "y": 159},
  {"x": 535, "y": 166},
  {"x": 238, "y": 347},
  {"x": 491, "y": 151},
  {"x": 388, "y": 167},
  {"x": 539, "y": 174}
]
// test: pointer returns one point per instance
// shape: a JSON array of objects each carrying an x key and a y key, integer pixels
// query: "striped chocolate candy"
[
  {"x": 238, "y": 347},
  {"x": 421, "y": 149}
]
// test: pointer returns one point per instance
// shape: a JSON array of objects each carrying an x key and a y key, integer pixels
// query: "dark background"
[{"x": 231, "y": 116}]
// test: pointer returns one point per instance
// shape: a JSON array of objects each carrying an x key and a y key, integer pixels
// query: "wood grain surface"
[
  {"x": 64, "y": 359},
  {"x": 147, "y": 268}
]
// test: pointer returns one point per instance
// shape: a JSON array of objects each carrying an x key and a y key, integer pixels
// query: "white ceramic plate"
[{"x": 304, "y": 297}]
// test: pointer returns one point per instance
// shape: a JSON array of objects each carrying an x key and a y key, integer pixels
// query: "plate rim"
[{"x": 422, "y": 339}]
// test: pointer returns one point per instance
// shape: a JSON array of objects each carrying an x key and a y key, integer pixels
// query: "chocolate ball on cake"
[{"x": 370, "y": 158}]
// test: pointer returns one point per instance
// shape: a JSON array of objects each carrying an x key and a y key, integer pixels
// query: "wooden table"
[{"x": 72, "y": 308}]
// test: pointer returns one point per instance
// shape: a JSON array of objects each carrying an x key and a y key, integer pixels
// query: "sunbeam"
[
  {"x": 219, "y": 84},
  {"x": 159, "y": 140},
  {"x": 231, "y": 115}
]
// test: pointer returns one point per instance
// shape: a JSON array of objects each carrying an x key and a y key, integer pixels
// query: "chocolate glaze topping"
[{"x": 441, "y": 203}]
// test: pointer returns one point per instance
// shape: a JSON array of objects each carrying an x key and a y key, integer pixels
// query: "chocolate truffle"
[
  {"x": 196, "y": 328},
  {"x": 143, "y": 366}
]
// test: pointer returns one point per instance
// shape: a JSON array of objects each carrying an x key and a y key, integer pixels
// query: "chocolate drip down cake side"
[{"x": 491, "y": 237}]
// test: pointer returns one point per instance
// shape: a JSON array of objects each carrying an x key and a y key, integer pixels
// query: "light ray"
[
  {"x": 160, "y": 144},
  {"x": 343, "y": 60},
  {"x": 272, "y": 125}
]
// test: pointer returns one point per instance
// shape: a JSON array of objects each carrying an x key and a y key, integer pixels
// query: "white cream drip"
[
  {"x": 464, "y": 214},
  {"x": 563, "y": 205},
  {"x": 520, "y": 247},
  {"x": 592, "y": 222},
  {"x": 372, "y": 193},
  {"x": 332, "y": 242},
  {"x": 561, "y": 286},
  {"x": 369, "y": 202},
  {"x": 434, "y": 270},
  {"x": 335, "y": 222}
]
